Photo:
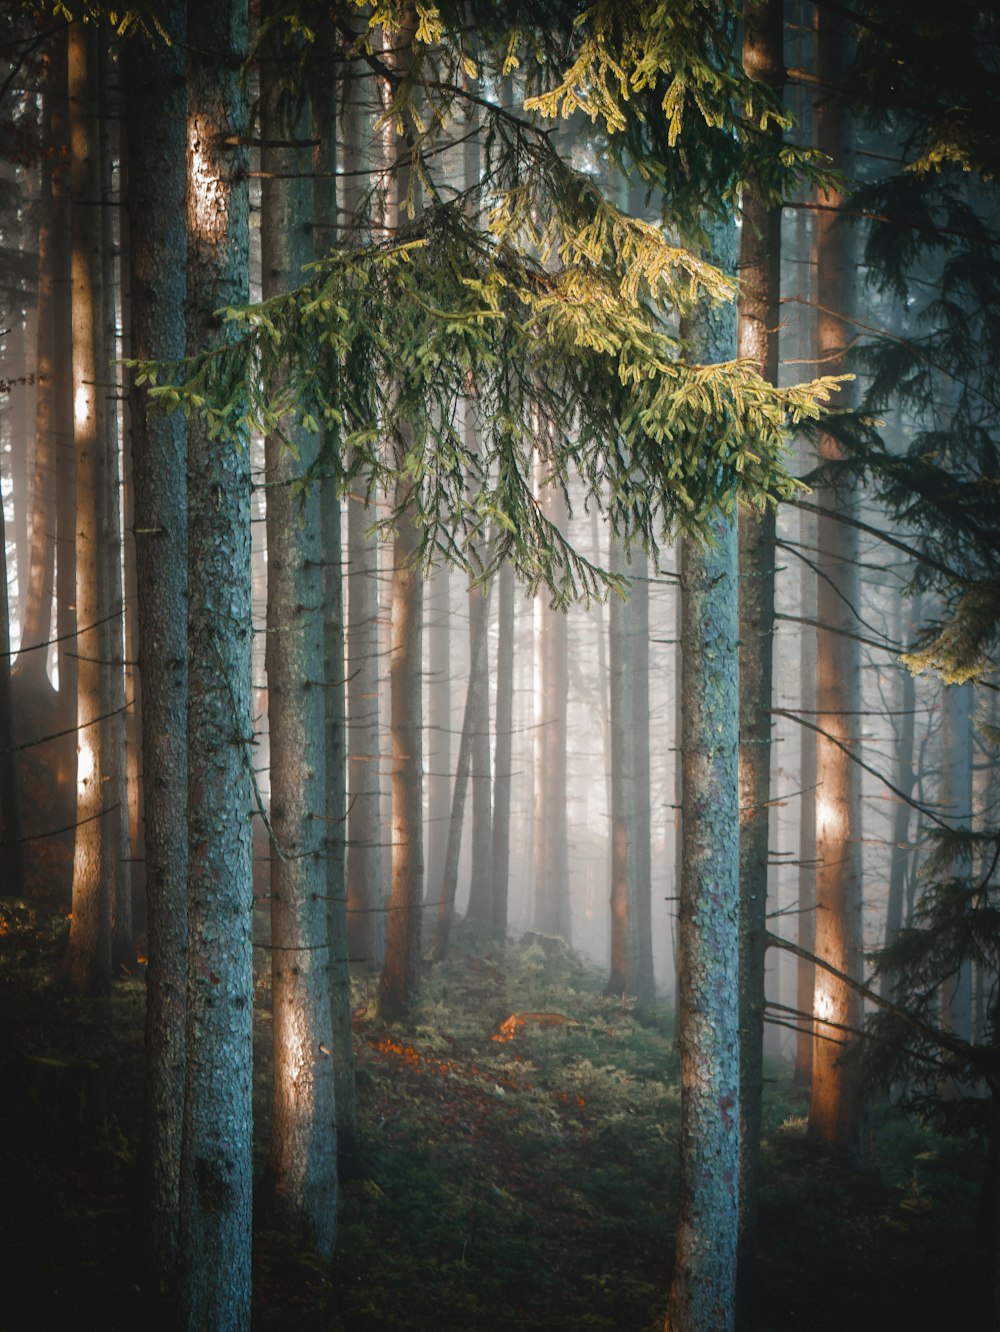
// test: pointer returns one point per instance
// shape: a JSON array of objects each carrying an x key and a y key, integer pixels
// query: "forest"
[{"x": 499, "y": 800}]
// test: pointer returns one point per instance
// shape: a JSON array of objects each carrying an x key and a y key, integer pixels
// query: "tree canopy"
[{"x": 537, "y": 295}]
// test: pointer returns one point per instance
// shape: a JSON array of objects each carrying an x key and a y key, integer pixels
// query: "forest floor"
[{"x": 519, "y": 1140}]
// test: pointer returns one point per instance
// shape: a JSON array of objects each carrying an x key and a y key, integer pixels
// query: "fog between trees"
[{"x": 461, "y": 567}]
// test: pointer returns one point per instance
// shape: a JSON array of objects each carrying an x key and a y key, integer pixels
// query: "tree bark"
[
  {"x": 757, "y": 341},
  {"x": 503, "y": 756},
  {"x": 437, "y": 604},
  {"x": 216, "y": 1165},
  {"x": 480, "y": 879},
  {"x": 66, "y": 609},
  {"x": 703, "y": 1291},
  {"x": 324, "y": 216},
  {"x": 38, "y": 592},
  {"x": 88, "y": 959},
  {"x": 302, "y": 1174},
  {"x": 366, "y": 924},
  {"x": 645, "y": 988},
  {"x": 552, "y": 906},
  {"x": 835, "y": 1111},
  {"x": 118, "y": 855},
  {"x": 12, "y": 845},
  {"x": 401, "y": 968},
  {"x": 472, "y": 724},
  {"x": 956, "y": 803},
  {"x": 156, "y": 108},
  {"x": 621, "y": 714},
  {"x": 480, "y": 882},
  {"x": 904, "y": 779}
]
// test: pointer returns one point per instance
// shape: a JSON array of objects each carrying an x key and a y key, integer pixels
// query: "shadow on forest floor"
[{"x": 519, "y": 1139}]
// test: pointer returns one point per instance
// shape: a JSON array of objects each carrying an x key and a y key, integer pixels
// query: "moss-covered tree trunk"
[
  {"x": 156, "y": 109},
  {"x": 216, "y": 1166},
  {"x": 703, "y": 1292},
  {"x": 302, "y": 1173},
  {"x": 757, "y": 341}
]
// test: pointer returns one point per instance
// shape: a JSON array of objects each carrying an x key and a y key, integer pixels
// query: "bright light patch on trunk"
[
  {"x": 84, "y": 766},
  {"x": 81, "y": 405},
  {"x": 207, "y": 196},
  {"x": 829, "y": 822},
  {"x": 823, "y": 1001}
]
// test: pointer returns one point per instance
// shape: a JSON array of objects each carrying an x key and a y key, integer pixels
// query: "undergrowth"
[{"x": 519, "y": 1144}]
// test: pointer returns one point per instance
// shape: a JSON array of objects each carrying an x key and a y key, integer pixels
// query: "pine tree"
[
  {"x": 88, "y": 958},
  {"x": 156, "y": 108},
  {"x": 757, "y": 340},
  {"x": 703, "y": 1291},
  {"x": 216, "y": 1165},
  {"x": 401, "y": 966},
  {"x": 834, "y": 1108},
  {"x": 624, "y": 974},
  {"x": 303, "y": 1157}
]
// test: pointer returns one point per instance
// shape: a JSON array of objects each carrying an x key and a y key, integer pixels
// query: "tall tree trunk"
[
  {"x": 156, "y": 109},
  {"x": 645, "y": 988},
  {"x": 904, "y": 779},
  {"x": 703, "y": 1292},
  {"x": 118, "y": 856},
  {"x": 835, "y": 1111},
  {"x": 37, "y": 586},
  {"x": 401, "y": 968},
  {"x": 503, "y": 755},
  {"x": 66, "y": 610},
  {"x": 956, "y": 802},
  {"x": 757, "y": 341},
  {"x": 472, "y": 724},
  {"x": 303, "y": 1157},
  {"x": 805, "y": 972},
  {"x": 437, "y": 606},
  {"x": 366, "y": 925},
  {"x": 480, "y": 879},
  {"x": 133, "y": 691},
  {"x": 552, "y": 906},
  {"x": 88, "y": 959},
  {"x": 324, "y": 217},
  {"x": 12, "y": 844},
  {"x": 216, "y": 1165},
  {"x": 26, "y": 408},
  {"x": 621, "y": 714}
]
